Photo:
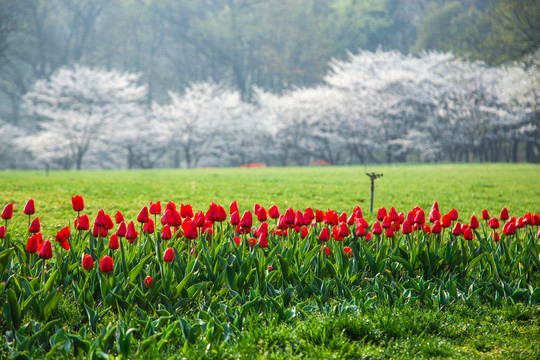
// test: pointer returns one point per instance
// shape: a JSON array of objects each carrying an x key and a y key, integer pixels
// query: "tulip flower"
[
  {"x": 101, "y": 220},
  {"x": 233, "y": 207},
  {"x": 235, "y": 218},
  {"x": 29, "y": 208},
  {"x": 389, "y": 232},
  {"x": 273, "y": 212},
  {"x": 436, "y": 228},
  {"x": 419, "y": 218},
  {"x": 143, "y": 216},
  {"x": 148, "y": 228},
  {"x": 207, "y": 228},
  {"x": 386, "y": 223},
  {"x": 289, "y": 216},
  {"x": 406, "y": 228},
  {"x": 485, "y": 215},
  {"x": 335, "y": 234},
  {"x": 308, "y": 214},
  {"x": 212, "y": 213},
  {"x": 199, "y": 219},
  {"x": 495, "y": 236},
  {"x": 360, "y": 230},
  {"x": 319, "y": 216},
  {"x": 262, "y": 229},
  {"x": 468, "y": 234},
  {"x": 261, "y": 214},
  {"x": 106, "y": 264},
  {"x": 326, "y": 250},
  {"x": 281, "y": 223},
  {"x": 236, "y": 240},
  {"x": 504, "y": 214},
  {"x": 252, "y": 242},
  {"x": 32, "y": 244},
  {"x": 299, "y": 219},
  {"x": 493, "y": 223},
  {"x": 131, "y": 234},
  {"x": 118, "y": 217},
  {"x": 453, "y": 214},
  {"x": 247, "y": 220},
  {"x": 147, "y": 282},
  {"x": 34, "y": 226},
  {"x": 77, "y": 203},
  {"x": 175, "y": 219},
  {"x": 347, "y": 251},
  {"x": 82, "y": 223},
  {"x": 221, "y": 214},
  {"x": 168, "y": 255},
  {"x": 155, "y": 208},
  {"x": 122, "y": 230},
  {"x": 166, "y": 233},
  {"x": 262, "y": 240},
  {"x": 377, "y": 230},
  {"x": 113, "y": 242},
  {"x": 324, "y": 235},
  {"x": 303, "y": 232},
  {"x": 170, "y": 206},
  {"x": 7, "y": 213},
  {"x": 446, "y": 221},
  {"x": 410, "y": 217},
  {"x": 434, "y": 213},
  {"x": 45, "y": 250},
  {"x": 108, "y": 222},
  {"x": 368, "y": 236},
  {"x": 456, "y": 231},
  {"x": 2, "y": 231},
  {"x": 473, "y": 224},
  {"x": 87, "y": 262},
  {"x": 381, "y": 213},
  {"x": 97, "y": 231},
  {"x": 61, "y": 237},
  {"x": 343, "y": 230},
  {"x": 190, "y": 230}
]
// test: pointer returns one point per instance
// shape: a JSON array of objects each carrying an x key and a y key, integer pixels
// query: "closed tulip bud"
[
  {"x": 463, "y": 227},
  {"x": 386, "y": 223},
  {"x": 406, "y": 228},
  {"x": 263, "y": 229},
  {"x": 256, "y": 208},
  {"x": 34, "y": 226},
  {"x": 82, "y": 223},
  {"x": 190, "y": 230},
  {"x": 303, "y": 232},
  {"x": 468, "y": 234},
  {"x": 536, "y": 219},
  {"x": 147, "y": 282},
  {"x": 175, "y": 219},
  {"x": 262, "y": 241},
  {"x": 168, "y": 255},
  {"x": 485, "y": 215},
  {"x": 360, "y": 230},
  {"x": 504, "y": 214},
  {"x": 122, "y": 230},
  {"x": 61, "y": 237},
  {"x": 446, "y": 221},
  {"x": 235, "y": 218},
  {"x": 335, "y": 234},
  {"x": 326, "y": 250},
  {"x": 154, "y": 208},
  {"x": 131, "y": 234},
  {"x": 247, "y": 220},
  {"x": 233, "y": 207},
  {"x": 347, "y": 250},
  {"x": 493, "y": 223},
  {"x": 343, "y": 229},
  {"x": 410, "y": 217},
  {"x": 456, "y": 231},
  {"x": 273, "y": 212},
  {"x": 148, "y": 228},
  {"x": 101, "y": 220},
  {"x": 519, "y": 223},
  {"x": 401, "y": 217},
  {"x": 45, "y": 250},
  {"x": 261, "y": 214},
  {"x": 106, "y": 264},
  {"x": 319, "y": 216},
  {"x": 324, "y": 235},
  {"x": 199, "y": 219},
  {"x": 351, "y": 219},
  {"x": 211, "y": 214},
  {"x": 436, "y": 228},
  {"x": 236, "y": 240},
  {"x": 289, "y": 216},
  {"x": 2, "y": 231},
  {"x": 207, "y": 228},
  {"x": 389, "y": 232},
  {"x": 32, "y": 244},
  {"x": 299, "y": 219},
  {"x": 118, "y": 217},
  {"x": 473, "y": 224},
  {"x": 419, "y": 218},
  {"x": 381, "y": 213},
  {"x": 495, "y": 236},
  {"x": 143, "y": 216},
  {"x": 77, "y": 203},
  {"x": 453, "y": 214},
  {"x": 342, "y": 217},
  {"x": 308, "y": 214},
  {"x": 377, "y": 230},
  {"x": 108, "y": 222},
  {"x": 7, "y": 213},
  {"x": 221, "y": 214},
  {"x": 434, "y": 215},
  {"x": 29, "y": 208},
  {"x": 166, "y": 233},
  {"x": 113, "y": 242},
  {"x": 357, "y": 212},
  {"x": 87, "y": 262}
]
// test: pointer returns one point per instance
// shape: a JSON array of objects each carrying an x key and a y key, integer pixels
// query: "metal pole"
[{"x": 372, "y": 176}]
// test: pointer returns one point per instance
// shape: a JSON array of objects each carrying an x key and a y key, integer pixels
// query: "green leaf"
[
  {"x": 137, "y": 268},
  {"x": 14, "y": 308}
]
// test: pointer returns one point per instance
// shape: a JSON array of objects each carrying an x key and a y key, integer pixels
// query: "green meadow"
[{"x": 301, "y": 310}]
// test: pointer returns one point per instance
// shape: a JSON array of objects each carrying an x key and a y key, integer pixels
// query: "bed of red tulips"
[{"x": 173, "y": 270}]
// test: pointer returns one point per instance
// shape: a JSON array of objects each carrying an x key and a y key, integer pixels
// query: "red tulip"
[
  {"x": 289, "y": 216},
  {"x": 457, "y": 229},
  {"x": 175, "y": 219},
  {"x": 45, "y": 250},
  {"x": 221, "y": 214},
  {"x": 381, "y": 213},
  {"x": 97, "y": 231},
  {"x": 261, "y": 214},
  {"x": 82, "y": 223},
  {"x": 186, "y": 211},
  {"x": 335, "y": 234},
  {"x": 377, "y": 230},
  {"x": 236, "y": 240},
  {"x": 262, "y": 229},
  {"x": 106, "y": 264},
  {"x": 319, "y": 216},
  {"x": 519, "y": 223},
  {"x": 147, "y": 281},
  {"x": 32, "y": 244},
  {"x": 131, "y": 234},
  {"x": 273, "y": 212},
  {"x": 77, "y": 203},
  {"x": 504, "y": 214},
  {"x": 308, "y": 214},
  {"x": 453, "y": 214},
  {"x": 170, "y": 206},
  {"x": 360, "y": 230},
  {"x": 113, "y": 242},
  {"x": 468, "y": 234},
  {"x": 7, "y": 213},
  {"x": 389, "y": 232},
  {"x": 262, "y": 240},
  {"x": 168, "y": 255},
  {"x": 121, "y": 231},
  {"x": 29, "y": 208},
  {"x": 473, "y": 224},
  {"x": 410, "y": 217},
  {"x": 233, "y": 207},
  {"x": 247, "y": 220},
  {"x": 148, "y": 228},
  {"x": 118, "y": 217},
  {"x": 406, "y": 228},
  {"x": 212, "y": 213},
  {"x": 535, "y": 219},
  {"x": 401, "y": 217},
  {"x": 326, "y": 250},
  {"x": 386, "y": 223},
  {"x": 446, "y": 221},
  {"x": 252, "y": 242},
  {"x": 357, "y": 212},
  {"x": 434, "y": 213},
  {"x": 303, "y": 232},
  {"x": 235, "y": 218},
  {"x": 347, "y": 251},
  {"x": 108, "y": 222},
  {"x": 493, "y": 223},
  {"x": 281, "y": 223},
  {"x": 420, "y": 217},
  {"x": 207, "y": 228},
  {"x": 485, "y": 215},
  {"x": 87, "y": 262},
  {"x": 101, "y": 220},
  {"x": 436, "y": 228},
  {"x": 495, "y": 236},
  {"x": 190, "y": 230},
  {"x": 61, "y": 237},
  {"x": 343, "y": 230},
  {"x": 34, "y": 226},
  {"x": 299, "y": 219},
  {"x": 2, "y": 231},
  {"x": 143, "y": 215},
  {"x": 166, "y": 233},
  {"x": 199, "y": 219},
  {"x": 324, "y": 235}
]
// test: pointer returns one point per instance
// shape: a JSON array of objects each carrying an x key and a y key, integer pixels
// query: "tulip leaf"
[
  {"x": 14, "y": 308},
  {"x": 137, "y": 268}
]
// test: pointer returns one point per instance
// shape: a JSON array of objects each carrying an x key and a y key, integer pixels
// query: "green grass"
[
  {"x": 460, "y": 330},
  {"x": 468, "y": 188}
]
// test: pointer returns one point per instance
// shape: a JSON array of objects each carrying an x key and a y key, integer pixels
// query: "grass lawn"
[{"x": 361, "y": 327}]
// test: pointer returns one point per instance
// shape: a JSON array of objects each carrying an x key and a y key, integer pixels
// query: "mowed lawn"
[{"x": 468, "y": 188}]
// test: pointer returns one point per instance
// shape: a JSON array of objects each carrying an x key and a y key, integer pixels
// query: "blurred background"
[{"x": 121, "y": 84}]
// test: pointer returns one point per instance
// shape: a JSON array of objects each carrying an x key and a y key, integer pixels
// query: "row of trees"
[{"x": 373, "y": 107}]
